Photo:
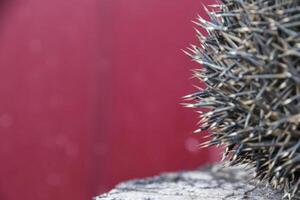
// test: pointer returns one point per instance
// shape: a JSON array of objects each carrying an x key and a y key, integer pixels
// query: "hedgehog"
[{"x": 250, "y": 58}]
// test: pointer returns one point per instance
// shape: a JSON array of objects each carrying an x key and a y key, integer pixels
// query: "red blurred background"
[{"x": 90, "y": 94}]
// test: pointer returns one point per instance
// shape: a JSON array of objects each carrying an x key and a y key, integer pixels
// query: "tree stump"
[{"x": 210, "y": 183}]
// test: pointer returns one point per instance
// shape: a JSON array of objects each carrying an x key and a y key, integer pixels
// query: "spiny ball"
[{"x": 251, "y": 67}]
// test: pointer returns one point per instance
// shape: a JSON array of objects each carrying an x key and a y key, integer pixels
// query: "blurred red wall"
[{"x": 90, "y": 94}]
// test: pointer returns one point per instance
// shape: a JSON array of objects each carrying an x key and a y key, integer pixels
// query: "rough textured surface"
[{"x": 211, "y": 183}]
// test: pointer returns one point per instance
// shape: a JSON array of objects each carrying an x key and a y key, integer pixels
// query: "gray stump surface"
[{"x": 210, "y": 183}]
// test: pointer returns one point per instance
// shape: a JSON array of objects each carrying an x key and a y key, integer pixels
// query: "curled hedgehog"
[{"x": 251, "y": 68}]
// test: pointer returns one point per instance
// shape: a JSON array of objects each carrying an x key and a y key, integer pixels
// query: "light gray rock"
[{"x": 211, "y": 183}]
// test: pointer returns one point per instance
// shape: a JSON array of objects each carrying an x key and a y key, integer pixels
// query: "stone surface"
[{"x": 211, "y": 183}]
